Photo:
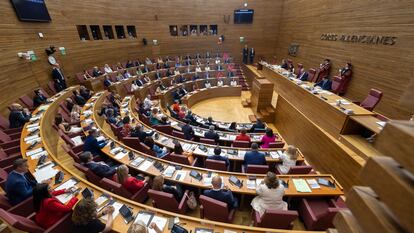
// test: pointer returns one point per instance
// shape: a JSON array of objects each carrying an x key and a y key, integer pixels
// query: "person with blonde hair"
[
  {"x": 159, "y": 185},
  {"x": 140, "y": 227},
  {"x": 288, "y": 158},
  {"x": 127, "y": 181},
  {"x": 269, "y": 195}
]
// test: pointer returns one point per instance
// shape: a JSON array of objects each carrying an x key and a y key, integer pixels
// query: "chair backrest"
[
  {"x": 92, "y": 177},
  {"x": 79, "y": 77},
  {"x": 132, "y": 142},
  {"x": 213, "y": 209},
  {"x": 278, "y": 219},
  {"x": 311, "y": 75},
  {"x": 163, "y": 200},
  {"x": 44, "y": 92},
  {"x": 337, "y": 83},
  {"x": 164, "y": 128},
  {"x": 373, "y": 98},
  {"x": 298, "y": 71},
  {"x": 4, "y": 202},
  {"x": 66, "y": 138},
  {"x": 4, "y": 137},
  {"x": 177, "y": 158},
  {"x": 72, "y": 154},
  {"x": 277, "y": 144},
  {"x": 110, "y": 185},
  {"x": 216, "y": 165},
  {"x": 257, "y": 169},
  {"x": 51, "y": 86},
  {"x": 20, "y": 223},
  {"x": 4, "y": 123},
  {"x": 300, "y": 170},
  {"x": 27, "y": 101},
  {"x": 241, "y": 144},
  {"x": 208, "y": 141},
  {"x": 178, "y": 134},
  {"x": 145, "y": 149},
  {"x": 64, "y": 107}
]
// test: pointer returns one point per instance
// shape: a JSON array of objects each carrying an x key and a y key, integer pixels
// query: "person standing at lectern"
[
  {"x": 245, "y": 53},
  {"x": 252, "y": 52}
]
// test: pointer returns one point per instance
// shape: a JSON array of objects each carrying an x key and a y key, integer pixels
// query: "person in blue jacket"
[
  {"x": 92, "y": 144},
  {"x": 18, "y": 187},
  {"x": 325, "y": 84},
  {"x": 254, "y": 157},
  {"x": 221, "y": 194}
]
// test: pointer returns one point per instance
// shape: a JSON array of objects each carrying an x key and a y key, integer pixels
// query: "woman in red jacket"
[
  {"x": 50, "y": 210},
  {"x": 129, "y": 182}
]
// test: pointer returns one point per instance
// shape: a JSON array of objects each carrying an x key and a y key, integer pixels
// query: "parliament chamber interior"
[{"x": 230, "y": 116}]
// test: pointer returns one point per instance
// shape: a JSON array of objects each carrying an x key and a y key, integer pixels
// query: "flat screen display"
[
  {"x": 243, "y": 16},
  {"x": 31, "y": 10}
]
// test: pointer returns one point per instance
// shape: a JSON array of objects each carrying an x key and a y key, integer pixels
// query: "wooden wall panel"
[
  {"x": 387, "y": 68},
  {"x": 18, "y": 76}
]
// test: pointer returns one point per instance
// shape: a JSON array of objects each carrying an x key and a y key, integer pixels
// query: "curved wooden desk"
[
  {"x": 185, "y": 171},
  {"x": 49, "y": 141}
]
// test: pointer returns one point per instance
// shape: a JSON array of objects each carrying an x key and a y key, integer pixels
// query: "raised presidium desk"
[
  {"x": 174, "y": 172},
  {"x": 40, "y": 129},
  {"x": 323, "y": 108}
]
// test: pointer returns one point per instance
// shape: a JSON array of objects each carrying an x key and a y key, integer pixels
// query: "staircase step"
[{"x": 252, "y": 118}]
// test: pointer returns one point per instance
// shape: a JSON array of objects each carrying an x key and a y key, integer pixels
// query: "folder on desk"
[{"x": 301, "y": 186}]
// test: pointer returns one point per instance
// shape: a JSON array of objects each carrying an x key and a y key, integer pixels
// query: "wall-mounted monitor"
[
  {"x": 31, "y": 10},
  {"x": 243, "y": 16}
]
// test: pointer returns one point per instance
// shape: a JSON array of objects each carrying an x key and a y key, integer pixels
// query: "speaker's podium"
[{"x": 261, "y": 99}]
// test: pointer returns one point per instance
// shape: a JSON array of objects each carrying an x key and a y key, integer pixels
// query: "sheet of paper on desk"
[
  {"x": 77, "y": 140},
  {"x": 229, "y": 231},
  {"x": 169, "y": 171},
  {"x": 381, "y": 123},
  {"x": 116, "y": 206},
  {"x": 313, "y": 184},
  {"x": 274, "y": 155},
  {"x": 120, "y": 155},
  {"x": 35, "y": 151},
  {"x": 30, "y": 142},
  {"x": 33, "y": 129},
  {"x": 38, "y": 155},
  {"x": 45, "y": 173},
  {"x": 43, "y": 107},
  {"x": 101, "y": 199},
  {"x": 116, "y": 150},
  {"x": 160, "y": 222},
  {"x": 174, "y": 123},
  {"x": 31, "y": 137},
  {"x": 182, "y": 175},
  {"x": 345, "y": 102},
  {"x": 301, "y": 186},
  {"x": 251, "y": 184},
  {"x": 242, "y": 153},
  {"x": 145, "y": 217},
  {"x": 100, "y": 138},
  {"x": 207, "y": 181},
  {"x": 145, "y": 165},
  {"x": 279, "y": 152},
  {"x": 88, "y": 121}
]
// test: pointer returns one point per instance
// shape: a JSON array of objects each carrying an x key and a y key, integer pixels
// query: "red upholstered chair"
[
  {"x": 373, "y": 98},
  {"x": 318, "y": 213},
  {"x": 5, "y": 126},
  {"x": 7, "y": 157},
  {"x": 51, "y": 86},
  {"x": 215, "y": 210},
  {"x": 68, "y": 140},
  {"x": 277, "y": 219},
  {"x": 7, "y": 142},
  {"x": 182, "y": 159},
  {"x": 27, "y": 101},
  {"x": 132, "y": 142},
  {"x": 4, "y": 173},
  {"x": 80, "y": 78},
  {"x": 24, "y": 208},
  {"x": 13, "y": 136},
  {"x": 44, "y": 92},
  {"x": 178, "y": 134},
  {"x": 297, "y": 170},
  {"x": 241, "y": 144},
  {"x": 28, "y": 225},
  {"x": 298, "y": 71},
  {"x": 145, "y": 149},
  {"x": 208, "y": 141},
  {"x": 128, "y": 88},
  {"x": 117, "y": 131},
  {"x": 68, "y": 150},
  {"x": 337, "y": 83},
  {"x": 276, "y": 144},
  {"x": 92, "y": 177},
  {"x": 256, "y": 169},
  {"x": 166, "y": 201},
  {"x": 167, "y": 129},
  {"x": 311, "y": 75},
  {"x": 216, "y": 165},
  {"x": 141, "y": 196}
]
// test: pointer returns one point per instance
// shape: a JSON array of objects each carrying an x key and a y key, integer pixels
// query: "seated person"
[
  {"x": 66, "y": 127},
  {"x": 176, "y": 71},
  {"x": 181, "y": 79},
  {"x": 18, "y": 186},
  {"x": 18, "y": 116},
  {"x": 178, "y": 149},
  {"x": 198, "y": 68},
  {"x": 119, "y": 77},
  {"x": 233, "y": 127},
  {"x": 220, "y": 82},
  {"x": 92, "y": 145},
  {"x": 158, "y": 75},
  {"x": 176, "y": 106},
  {"x": 288, "y": 158},
  {"x": 127, "y": 181},
  {"x": 233, "y": 82},
  {"x": 69, "y": 104},
  {"x": 146, "y": 69},
  {"x": 195, "y": 87},
  {"x": 85, "y": 217},
  {"x": 176, "y": 96},
  {"x": 138, "y": 131},
  {"x": 78, "y": 98},
  {"x": 148, "y": 102},
  {"x": 85, "y": 93},
  {"x": 39, "y": 98},
  {"x": 217, "y": 156},
  {"x": 182, "y": 92},
  {"x": 164, "y": 121},
  {"x": 303, "y": 75},
  {"x": 210, "y": 134},
  {"x": 190, "y": 117},
  {"x": 108, "y": 69},
  {"x": 139, "y": 72},
  {"x": 75, "y": 114},
  {"x": 346, "y": 72},
  {"x": 169, "y": 73},
  {"x": 129, "y": 64},
  {"x": 219, "y": 67},
  {"x": 187, "y": 131},
  {"x": 217, "y": 61},
  {"x": 207, "y": 75},
  {"x": 154, "y": 147},
  {"x": 230, "y": 74},
  {"x": 221, "y": 194},
  {"x": 207, "y": 84},
  {"x": 175, "y": 190},
  {"x": 325, "y": 84},
  {"x": 127, "y": 75},
  {"x": 254, "y": 157},
  {"x": 126, "y": 128},
  {"x": 207, "y": 67},
  {"x": 155, "y": 117},
  {"x": 173, "y": 81},
  {"x": 268, "y": 138},
  {"x": 86, "y": 75},
  {"x": 107, "y": 82},
  {"x": 181, "y": 112},
  {"x": 269, "y": 195},
  {"x": 110, "y": 116},
  {"x": 195, "y": 77},
  {"x": 135, "y": 85},
  {"x": 49, "y": 210},
  {"x": 284, "y": 64},
  {"x": 96, "y": 72},
  {"x": 258, "y": 125},
  {"x": 140, "y": 227},
  {"x": 243, "y": 136},
  {"x": 119, "y": 66},
  {"x": 146, "y": 79},
  {"x": 160, "y": 89},
  {"x": 148, "y": 61},
  {"x": 100, "y": 169}
]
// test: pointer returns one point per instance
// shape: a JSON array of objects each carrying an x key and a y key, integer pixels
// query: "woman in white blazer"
[
  {"x": 269, "y": 195},
  {"x": 288, "y": 159}
]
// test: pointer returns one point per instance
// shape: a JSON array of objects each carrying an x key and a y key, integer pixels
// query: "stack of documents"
[{"x": 45, "y": 173}]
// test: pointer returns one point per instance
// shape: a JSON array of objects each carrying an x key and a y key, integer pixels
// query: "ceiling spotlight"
[{"x": 245, "y": 4}]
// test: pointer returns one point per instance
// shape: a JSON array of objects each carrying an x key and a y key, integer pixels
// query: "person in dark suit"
[
  {"x": 325, "y": 83},
  {"x": 181, "y": 79},
  {"x": 138, "y": 82},
  {"x": 190, "y": 117},
  {"x": 284, "y": 64},
  {"x": 18, "y": 187},
  {"x": 59, "y": 78},
  {"x": 39, "y": 98},
  {"x": 182, "y": 92},
  {"x": 138, "y": 131},
  {"x": 107, "y": 82},
  {"x": 346, "y": 71},
  {"x": 18, "y": 116},
  {"x": 210, "y": 134},
  {"x": 217, "y": 156},
  {"x": 245, "y": 54},
  {"x": 92, "y": 145},
  {"x": 96, "y": 72},
  {"x": 187, "y": 131},
  {"x": 129, "y": 64},
  {"x": 252, "y": 52},
  {"x": 221, "y": 194},
  {"x": 78, "y": 98},
  {"x": 85, "y": 93},
  {"x": 258, "y": 125},
  {"x": 254, "y": 157},
  {"x": 158, "y": 75},
  {"x": 176, "y": 96},
  {"x": 303, "y": 76},
  {"x": 100, "y": 169}
]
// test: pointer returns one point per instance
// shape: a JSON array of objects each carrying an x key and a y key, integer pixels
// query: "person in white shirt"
[
  {"x": 147, "y": 79},
  {"x": 207, "y": 84},
  {"x": 134, "y": 86},
  {"x": 198, "y": 69},
  {"x": 148, "y": 102},
  {"x": 176, "y": 71},
  {"x": 148, "y": 61},
  {"x": 107, "y": 69},
  {"x": 207, "y": 68},
  {"x": 233, "y": 82},
  {"x": 288, "y": 159},
  {"x": 269, "y": 195},
  {"x": 119, "y": 77},
  {"x": 217, "y": 60},
  {"x": 220, "y": 82}
]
